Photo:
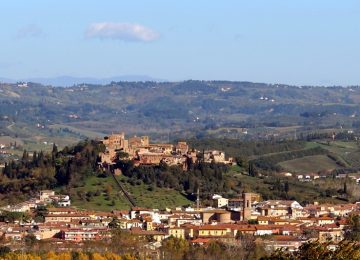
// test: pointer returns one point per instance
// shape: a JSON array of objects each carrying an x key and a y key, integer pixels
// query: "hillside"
[
  {"x": 102, "y": 193},
  {"x": 40, "y": 115},
  {"x": 74, "y": 171}
]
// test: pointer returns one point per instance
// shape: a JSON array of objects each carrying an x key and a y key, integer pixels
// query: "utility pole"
[{"x": 198, "y": 199}]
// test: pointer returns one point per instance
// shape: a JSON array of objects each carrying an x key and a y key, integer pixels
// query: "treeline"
[
  {"x": 73, "y": 165},
  {"x": 209, "y": 178},
  {"x": 31, "y": 173},
  {"x": 344, "y": 135},
  {"x": 237, "y": 148}
]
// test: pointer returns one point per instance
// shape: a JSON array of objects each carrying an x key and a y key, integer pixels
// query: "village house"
[
  {"x": 219, "y": 201},
  {"x": 46, "y": 231},
  {"x": 178, "y": 232},
  {"x": 207, "y": 231},
  {"x": 277, "y": 208},
  {"x": 66, "y": 217},
  {"x": 84, "y": 234},
  {"x": 288, "y": 243},
  {"x": 279, "y": 223},
  {"x": 153, "y": 234}
]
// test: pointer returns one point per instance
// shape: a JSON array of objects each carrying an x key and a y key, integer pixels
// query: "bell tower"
[{"x": 246, "y": 206}]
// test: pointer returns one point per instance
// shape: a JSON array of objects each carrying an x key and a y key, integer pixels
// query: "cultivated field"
[{"x": 309, "y": 164}]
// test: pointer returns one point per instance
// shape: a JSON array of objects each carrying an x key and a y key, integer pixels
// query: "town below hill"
[
  {"x": 177, "y": 198},
  {"x": 249, "y": 226}
]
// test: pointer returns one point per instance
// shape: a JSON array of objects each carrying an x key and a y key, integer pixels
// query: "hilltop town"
[
  {"x": 142, "y": 152},
  {"x": 229, "y": 213}
]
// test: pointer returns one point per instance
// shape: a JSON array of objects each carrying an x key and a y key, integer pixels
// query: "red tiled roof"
[
  {"x": 285, "y": 238},
  {"x": 200, "y": 241}
]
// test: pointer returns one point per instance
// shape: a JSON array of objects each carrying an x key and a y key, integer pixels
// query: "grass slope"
[
  {"x": 109, "y": 197},
  {"x": 301, "y": 191},
  {"x": 308, "y": 164}
]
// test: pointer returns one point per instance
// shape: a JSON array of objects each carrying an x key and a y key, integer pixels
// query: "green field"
[
  {"x": 88, "y": 133},
  {"x": 308, "y": 164},
  {"x": 266, "y": 187},
  {"x": 7, "y": 140},
  {"x": 110, "y": 198}
]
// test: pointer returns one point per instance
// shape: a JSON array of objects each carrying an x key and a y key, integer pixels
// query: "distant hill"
[
  {"x": 67, "y": 81},
  {"x": 176, "y": 110}
]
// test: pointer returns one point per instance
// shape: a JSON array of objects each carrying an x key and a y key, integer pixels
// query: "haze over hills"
[{"x": 66, "y": 81}]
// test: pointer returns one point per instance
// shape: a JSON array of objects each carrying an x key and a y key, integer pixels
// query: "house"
[
  {"x": 84, "y": 234},
  {"x": 235, "y": 204},
  {"x": 277, "y": 208},
  {"x": 130, "y": 223},
  {"x": 219, "y": 201},
  {"x": 210, "y": 231},
  {"x": 333, "y": 234},
  {"x": 182, "y": 148},
  {"x": 245, "y": 229},
  {"x": 262, "y": 230},
  {"x": 180, "y": 219},
  {"x": 153, "y": 234},
  {"x": 21, "y": 207},
  {"x": 46, "y": 194},
  {"x": 46, "y": 231},
  {"x": 286, "y": 174},
  {"x": 62, "y": 211},
  {"x": 288, "y": 243},
  {"x": 200, "y": 241},
  {"x": 265, "y": 220},
  {"x": 65, "y": 217},
  {"x": 214, "y": 156},
  {"x": 178, "y": 232},
  {"x": 325, "y": 220},
  {"x": 135, "y": 212},
  {"x": 94, "y": 223}
]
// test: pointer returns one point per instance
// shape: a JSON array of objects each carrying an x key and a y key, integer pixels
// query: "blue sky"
[{"x": 295, "y": 42}]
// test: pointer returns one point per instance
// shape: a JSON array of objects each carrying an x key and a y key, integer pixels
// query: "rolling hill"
[{"x": 175, "y": 110}]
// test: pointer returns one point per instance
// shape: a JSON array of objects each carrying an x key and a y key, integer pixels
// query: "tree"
[
  {"x": 40, "y": 213},
  {"x": 30, "y": 240},
  {"x": 319, "y": 251},
  {"x": 114, "y": 223},
  {"x": 353, "y": 233},
  {"x": 345, "y": 188},
  {"x": 174, "y": 248},
  {"x": 4, "y": 250},
  {"x": 11, "y": 216},
  {"x": 286, "y": 188},
  {"x": 54, "y": 149}
]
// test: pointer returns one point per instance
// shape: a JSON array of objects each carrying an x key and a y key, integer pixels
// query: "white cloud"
[
  {"x": 30, "y": 31},
  {"x": 121, "y": 31}
]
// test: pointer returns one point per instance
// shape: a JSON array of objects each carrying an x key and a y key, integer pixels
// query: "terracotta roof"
[
  {"x": 211, "y": 227},
  {"x": 146, "y": 232},
  {"x": 285, "y": 238},
  {"x": 78, "y": 215},
  {"x": 62, "y": 210},
  {"x": 140, "y": 209},
  {"x": 200, "y": 240}
]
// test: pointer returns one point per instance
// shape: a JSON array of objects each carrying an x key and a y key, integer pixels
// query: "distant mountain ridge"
[
  {"x": 184, "y": 109},
  {"x": 68, "y": 81}
]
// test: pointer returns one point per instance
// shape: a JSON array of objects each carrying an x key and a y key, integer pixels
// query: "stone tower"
[{"x": 246, "y": 206}]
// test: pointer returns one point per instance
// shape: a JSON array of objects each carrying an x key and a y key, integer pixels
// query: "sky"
[{"x": 299, "y": 42}]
